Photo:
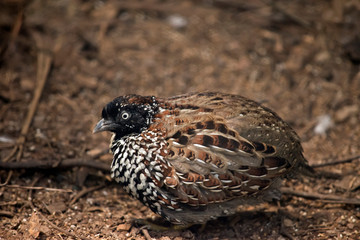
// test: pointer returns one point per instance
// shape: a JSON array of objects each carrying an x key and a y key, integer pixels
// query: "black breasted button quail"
[{"x": 195, "y": 157}]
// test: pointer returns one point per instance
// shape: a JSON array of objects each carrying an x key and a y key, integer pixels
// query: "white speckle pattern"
[{"x": 138, "y": 166}]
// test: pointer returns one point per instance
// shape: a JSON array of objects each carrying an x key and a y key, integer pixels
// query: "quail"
[{"x": 195, "y": 157}]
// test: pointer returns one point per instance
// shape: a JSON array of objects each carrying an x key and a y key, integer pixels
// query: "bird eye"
[{"x": 125, "y": 115}]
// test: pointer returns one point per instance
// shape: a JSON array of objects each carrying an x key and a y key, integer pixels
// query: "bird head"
[{"x": 127, "y": 114}]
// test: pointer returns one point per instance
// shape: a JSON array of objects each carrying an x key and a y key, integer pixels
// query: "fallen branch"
[
  {"x": 85, "y": 191},
  {"x": 6, "y": 213},
  {"x": 38, "y": 188},
  {"x": 9, "y": 46},
  {"x": 43, "y": 68},
  {"x": 146, "y": 234},
  {"x": 319, "y": 196},
  {"x": 348, "y": 160},
  {"x": 68, "y": 163},
  {"x": 297, "y": 18}
]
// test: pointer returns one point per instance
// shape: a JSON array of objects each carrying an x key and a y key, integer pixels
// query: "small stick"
[
  {"x": 12, "y": 203},
  {"x": 6, "y": 213},
  {"x": 43, "y": 68},
  {"x": 294, "y": 17},
  {"x": 284, "y": 231},
  {"x": 68, "y": 163},
  {"x": 7, "y": 179},
  {"x": 146, "y": 234},
  {"x": 324, "y": 197},
  {"x": 39, "y": 188},
  {"x": 14, "y": 32},
  {"x": 85, "y": 191},
  {"x": 348, "y": 160}
]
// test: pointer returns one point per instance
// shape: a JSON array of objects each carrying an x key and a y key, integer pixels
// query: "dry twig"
[
  {"x": 7, "y": 179},
  {"x": 283, "y": 229},
  {"x": 146, "y": 234},
  {"x": 322, "y": 197},
  {"x": 39, "y": 188},
  {"x": 43, "y": 68},
  {"x": 68, "y": 163},
  {"x": 294, "y": 17},
  {"x": 6, "y": 213},
  {"x": 14, "y": 32},
  {"x": 85, "y": 191},
  {"x": 348, "y": 160}
]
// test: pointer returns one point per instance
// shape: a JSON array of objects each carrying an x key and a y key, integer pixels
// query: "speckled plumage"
[{"x": 195, "y": 157}]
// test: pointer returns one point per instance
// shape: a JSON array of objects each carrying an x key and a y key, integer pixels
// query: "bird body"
[{"x": 195, "y": 157}]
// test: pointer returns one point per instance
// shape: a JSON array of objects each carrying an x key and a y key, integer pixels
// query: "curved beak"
[{"x": 104, "y": 125}]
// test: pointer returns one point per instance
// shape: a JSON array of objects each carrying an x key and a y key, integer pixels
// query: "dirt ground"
[{"x": 61, "y": 61}]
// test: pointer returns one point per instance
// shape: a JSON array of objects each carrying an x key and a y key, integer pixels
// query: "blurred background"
[{"x": 62, "y": 61}]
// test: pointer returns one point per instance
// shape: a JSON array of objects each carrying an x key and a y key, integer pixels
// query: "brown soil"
[{"x": 300, "y": 58}]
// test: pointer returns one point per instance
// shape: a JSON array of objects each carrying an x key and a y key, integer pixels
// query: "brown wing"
[
  {"x": 245, "y": 118},
  {"x": 220, "y": 148}
]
